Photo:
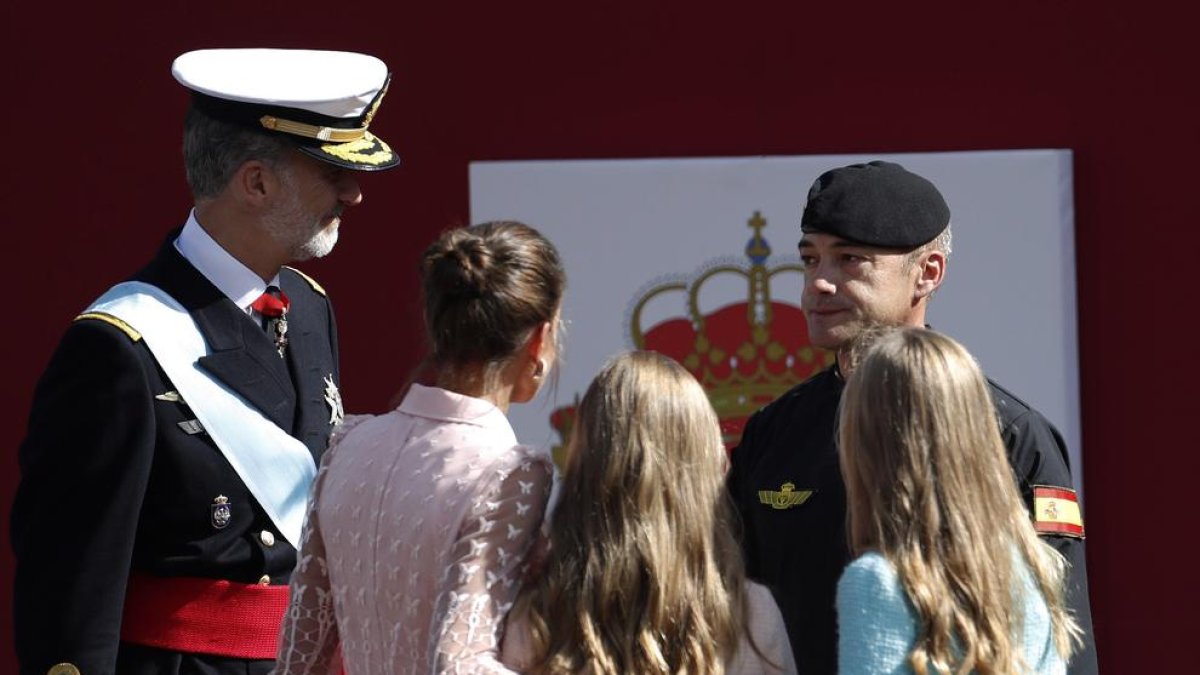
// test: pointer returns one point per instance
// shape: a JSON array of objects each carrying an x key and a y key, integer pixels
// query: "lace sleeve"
[
  {"x": 479, "y": 586},
  {"x": 308, "y": 637}
]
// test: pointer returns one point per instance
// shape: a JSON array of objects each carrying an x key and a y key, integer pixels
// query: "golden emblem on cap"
[
  {"x": 785, "y": 498},
  {"x": 367, "y": 150},
  {"x": 63, "y": 669}
]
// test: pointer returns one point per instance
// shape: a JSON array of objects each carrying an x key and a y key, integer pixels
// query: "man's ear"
[
  {"x": 931, "y": 270},
  {"x": 254, "y": 183}
]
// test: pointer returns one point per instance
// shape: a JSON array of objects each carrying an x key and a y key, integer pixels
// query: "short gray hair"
[
  {"x": 213, "y": 150},
  {"x": 941, "y": 243}
]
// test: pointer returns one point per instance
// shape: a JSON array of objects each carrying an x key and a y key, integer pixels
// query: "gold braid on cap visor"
[
  {"x": 312, "y": 131},
  {"x": 368, "y": 150}
]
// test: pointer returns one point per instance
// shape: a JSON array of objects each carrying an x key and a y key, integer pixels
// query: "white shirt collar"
[{"x": 227, "y": 273}]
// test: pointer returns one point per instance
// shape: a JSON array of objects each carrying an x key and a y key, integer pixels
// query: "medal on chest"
[
  {"x": 333, "y": 398},
  {"x": 278, "y": 329},
  {"x": 222, "y": 513}
]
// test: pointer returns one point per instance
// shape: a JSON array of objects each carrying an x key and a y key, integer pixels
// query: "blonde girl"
[
  {"x": 951, "y": 576},
  {"x": 643, "y": 574}
]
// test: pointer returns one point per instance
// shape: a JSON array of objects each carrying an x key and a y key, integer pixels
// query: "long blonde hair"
[
  {"x": 929, "y": 486},
  {"x": 643, "y": 574}
]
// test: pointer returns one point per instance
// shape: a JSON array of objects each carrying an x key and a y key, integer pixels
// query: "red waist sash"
[{"x": 204, "y": 616}]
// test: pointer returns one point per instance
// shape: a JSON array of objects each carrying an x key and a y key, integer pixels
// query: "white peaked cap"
[
  {"x": 324, "y": 100},
  {"x": 337, "y": 84}
]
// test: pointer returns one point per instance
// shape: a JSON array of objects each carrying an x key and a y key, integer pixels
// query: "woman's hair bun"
[
  {"x": 459, "y": 264},
  {"x": 485, "y": 287}
]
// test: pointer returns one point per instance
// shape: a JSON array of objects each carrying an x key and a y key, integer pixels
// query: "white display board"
[{"x": 625, "y": 226}]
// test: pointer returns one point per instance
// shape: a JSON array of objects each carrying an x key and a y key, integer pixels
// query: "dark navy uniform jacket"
[
  {"x": 110, "y": 482},
  {"x": 800, "y": 552}
]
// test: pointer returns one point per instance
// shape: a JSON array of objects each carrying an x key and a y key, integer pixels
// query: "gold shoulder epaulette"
[
  {"x": 311, "y": 281},
  {"x": 112, "y": 321}
]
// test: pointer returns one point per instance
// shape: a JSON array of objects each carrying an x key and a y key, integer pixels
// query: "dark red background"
[{"x": 93, "y": 181}]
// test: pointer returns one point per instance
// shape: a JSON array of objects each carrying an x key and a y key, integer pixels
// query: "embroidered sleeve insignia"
[
  {"x": 785, "y": 498},
  {"x": 1056, "y": 512}
]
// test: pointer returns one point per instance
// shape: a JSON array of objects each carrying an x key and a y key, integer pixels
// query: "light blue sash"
[{"x": 276, "y": 467}]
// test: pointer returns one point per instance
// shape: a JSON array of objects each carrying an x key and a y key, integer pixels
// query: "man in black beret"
[{"x": 875, "y": 244}]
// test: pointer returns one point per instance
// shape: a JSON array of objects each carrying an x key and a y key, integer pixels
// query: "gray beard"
[
  {"x": 286, "y": 225},
  {"x": 320, "y": 244}
]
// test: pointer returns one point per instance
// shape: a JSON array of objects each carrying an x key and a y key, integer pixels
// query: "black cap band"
[{"x": 249, "y": 115}]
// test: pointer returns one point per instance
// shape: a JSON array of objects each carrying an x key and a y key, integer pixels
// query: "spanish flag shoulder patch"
[{"x": 1056, "y": 512}]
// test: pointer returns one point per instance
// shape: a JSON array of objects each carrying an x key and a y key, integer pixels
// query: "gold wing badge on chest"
[{"x": 785, "y": 498}]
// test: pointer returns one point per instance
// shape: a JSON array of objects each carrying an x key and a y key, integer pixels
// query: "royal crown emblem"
[{"x": 745, "y": 352}]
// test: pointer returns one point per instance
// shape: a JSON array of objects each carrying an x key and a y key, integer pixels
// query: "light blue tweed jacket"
[{"x": 877, "y": 624}]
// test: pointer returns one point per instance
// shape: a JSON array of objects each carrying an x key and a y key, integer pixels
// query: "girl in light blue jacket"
[{"x": 951, "y": 576}]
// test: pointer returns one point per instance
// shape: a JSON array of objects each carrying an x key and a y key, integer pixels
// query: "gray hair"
[
  {"x": 941, "y": 243},
  {"x": 213, "y": 150}
]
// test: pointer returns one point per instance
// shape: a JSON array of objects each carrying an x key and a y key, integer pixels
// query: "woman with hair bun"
[
  {"x": 421, "y": 519},
  {"x": 951, "y": 577},
  {"x": 643, "y": 573}
]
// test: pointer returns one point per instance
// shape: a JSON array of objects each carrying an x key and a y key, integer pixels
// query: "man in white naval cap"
[{"x": 176, "y": 431}]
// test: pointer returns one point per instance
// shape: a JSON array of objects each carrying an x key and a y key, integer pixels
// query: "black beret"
[{"x": 878, "y": 204}]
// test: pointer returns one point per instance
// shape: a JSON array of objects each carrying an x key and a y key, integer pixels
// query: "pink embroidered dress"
[{"x": 415, "y": 544}]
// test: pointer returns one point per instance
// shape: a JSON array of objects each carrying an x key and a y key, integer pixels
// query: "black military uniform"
[
  {"x": 785, "y": 479},
  {"x": 800, "y": 549},
  {"x": 116, "y": 479},
  {"x": 140, "y": 544}
]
